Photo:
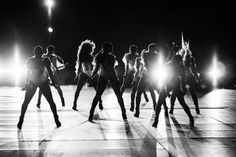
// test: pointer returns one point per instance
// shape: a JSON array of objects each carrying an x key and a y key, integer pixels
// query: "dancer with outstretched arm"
[{"x": 174, "y": 84}]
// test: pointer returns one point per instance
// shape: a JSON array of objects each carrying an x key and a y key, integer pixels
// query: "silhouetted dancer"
[
  {"x": 57, "y": 64},
  {"x": 130, "y": 58},
  {"x": 105, "y": 61},
  {"x": 84, "y": 68},
  {"x": 191, "y": 80},
  {"x": 150, "y": 59},
  {"x": 38, "y": 69},
  {"x": 139, "y": 70},
  {"x": 174, "y": 83}
]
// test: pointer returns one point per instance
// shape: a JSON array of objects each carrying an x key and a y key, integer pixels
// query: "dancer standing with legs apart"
[
  {"x": 191, "y": 79},
  {"x": 150, "y": 58},
  {"x": 84, "y": 68},
  {"x": 57, "y": 64},
  {"x": 38, "y": 69},
  {"x": 175, "y": 83},
  {"x": 105, "y": 61},
  {"x": 130, "y": 58}
]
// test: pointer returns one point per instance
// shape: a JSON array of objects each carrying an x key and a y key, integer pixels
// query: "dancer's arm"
[{"x": 60, "y": 59}]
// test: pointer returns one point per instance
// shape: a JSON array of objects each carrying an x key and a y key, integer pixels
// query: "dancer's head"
[
  {"x": 38, "y": 51},
  {"x": 107, "y": 47},
  {"x": 50, "y": 49},
  {"x": 86, "y": 47},
  {"x": 152, "y": 47},
  {"x": 133, "y": 48}
]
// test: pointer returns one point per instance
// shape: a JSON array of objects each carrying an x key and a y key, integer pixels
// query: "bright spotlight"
[
  {"x": 50, "y": 29},
  {"x": 16, "y": 70},
  {"x": 217, "y": 71},
  {"x": 159, "y": 74},
  {"x": 49, "y": 3}
]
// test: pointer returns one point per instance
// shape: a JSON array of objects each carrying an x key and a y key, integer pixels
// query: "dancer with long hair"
[
  {"x": 84, "y": 67},
  {"x": 38, "y": 69},
  {"x": 105, "y": 61}
]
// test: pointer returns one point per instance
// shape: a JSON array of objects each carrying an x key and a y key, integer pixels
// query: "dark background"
[{"x": 208, "y": 25}]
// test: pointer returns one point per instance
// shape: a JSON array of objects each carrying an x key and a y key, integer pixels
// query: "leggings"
[
  {"x": 102, "y": 83},
  {"x": 191, "y": 82},
  {"x": 134, "y": 90},
  {"x": 141, "y": 87},
  {"x": 180, "y": 96},
  {"x": 127, "y": 80},
  {"x": 46, "y": 91},
  {"x": 83, "y": 78},
  {"x": 58, "y": 88}
]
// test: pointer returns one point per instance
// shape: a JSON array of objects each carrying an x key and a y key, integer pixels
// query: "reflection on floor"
[{"x": 214, "y": 133}]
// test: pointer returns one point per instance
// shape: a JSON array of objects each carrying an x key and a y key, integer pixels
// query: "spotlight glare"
[
  {"x": 17, "y": 71},
  {"x": 49, "y": 3},
  {"x": 216, "y": 72},
  {"x": 159, "y": 74},
  {"x": 50, "y": 29}
]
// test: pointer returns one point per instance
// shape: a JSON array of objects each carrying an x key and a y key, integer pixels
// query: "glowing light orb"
[
  {"x": 49, "y": 3},
  {"x": 158, "y": 73},
  {"x": 50, "y": 29},
  {"x": 216, "y": 71}
]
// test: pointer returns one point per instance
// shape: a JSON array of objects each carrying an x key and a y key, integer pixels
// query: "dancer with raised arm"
[
  {"x": 191, "y": 79},
  {"x": 174, "y": 83}
]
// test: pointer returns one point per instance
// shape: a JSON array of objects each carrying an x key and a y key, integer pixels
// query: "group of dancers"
[{"x": 99, "y": 69}]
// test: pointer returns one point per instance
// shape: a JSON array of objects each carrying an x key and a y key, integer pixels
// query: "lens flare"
[
  {"x": 158, "y": 73},
  {"x": 50, "y": 29},
  {"x": 216, "y": 71},
  {"x": 49, "y": 4},
  {"x": 17, "y": 70}
]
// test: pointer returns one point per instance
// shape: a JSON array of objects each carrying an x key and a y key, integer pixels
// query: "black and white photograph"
[{"x": 115, "y": 78}]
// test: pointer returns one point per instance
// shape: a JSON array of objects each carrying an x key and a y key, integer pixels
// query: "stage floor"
[{"x": 214, "y": 133}]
